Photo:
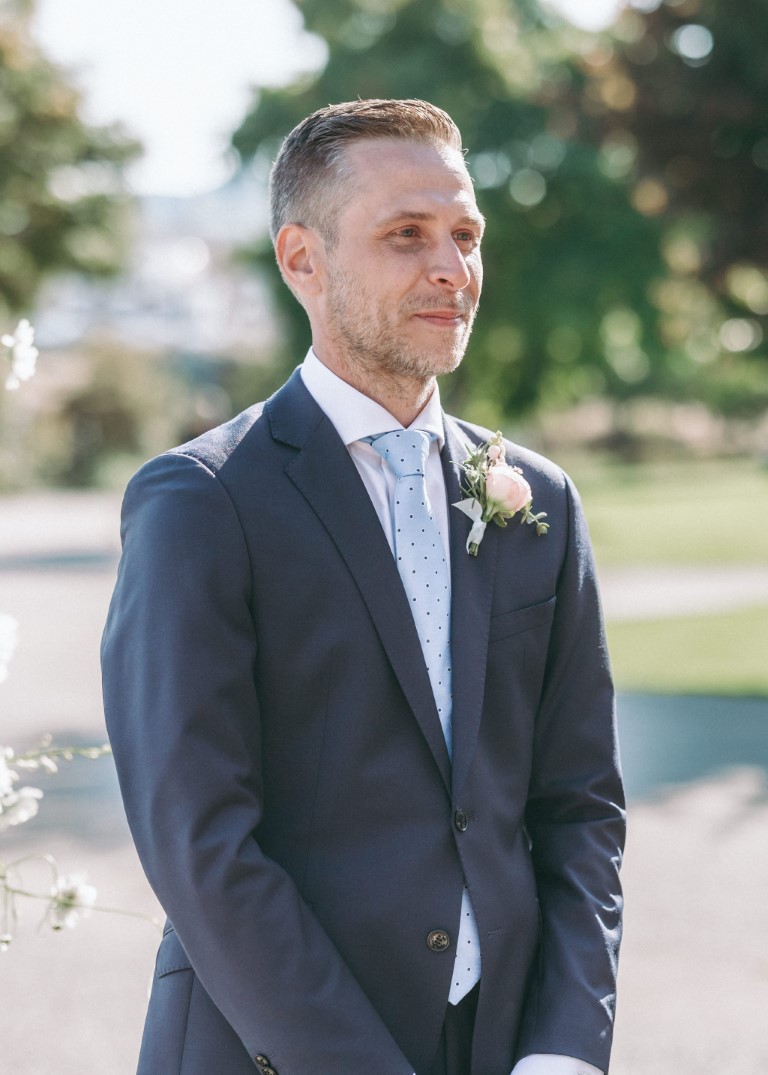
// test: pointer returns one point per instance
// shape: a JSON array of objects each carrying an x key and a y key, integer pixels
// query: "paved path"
[{"x": 645, "y": 593}]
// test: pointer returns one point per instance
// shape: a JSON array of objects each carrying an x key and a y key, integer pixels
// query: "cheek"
[
  {"x": 391, "y": 279},
  {"x": 475, "y": 266}
]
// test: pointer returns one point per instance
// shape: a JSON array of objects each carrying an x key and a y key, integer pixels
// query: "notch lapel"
[
  {"x": 326, "y": 476},
  {"x": 472, "y": 584}
]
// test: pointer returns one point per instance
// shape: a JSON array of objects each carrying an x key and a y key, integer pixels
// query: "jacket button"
[
  {"x": 438, "y": 940},
  {"x": 262, "y": 1062},
  {"x": 460, "y": 820}
]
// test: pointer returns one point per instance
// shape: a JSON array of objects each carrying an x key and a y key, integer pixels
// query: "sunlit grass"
[
  {"x": 676, "y": 513},
  {"x": 720, "y": 654},
  {"x": 695, "y": 513}
]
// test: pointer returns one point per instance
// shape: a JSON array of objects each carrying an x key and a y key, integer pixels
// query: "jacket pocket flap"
[
  {"x": 171, "y": 956},
  {"x": 521, "y": 619}
]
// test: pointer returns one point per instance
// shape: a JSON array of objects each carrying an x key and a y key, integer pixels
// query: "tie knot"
[{"x": 404, "y": 450}]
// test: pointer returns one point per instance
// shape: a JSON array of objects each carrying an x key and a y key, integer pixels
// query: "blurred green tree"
[
  {"x": 695, "y": 106},
  {"x": 679, "y": 102},
  {"x": 60, "y": 189},
  {"x": 557, "y": 252}
]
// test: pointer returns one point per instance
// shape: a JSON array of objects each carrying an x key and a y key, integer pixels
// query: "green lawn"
[
  {"x": 721, "y": 654},
  {"x": 682, "y": 513}
]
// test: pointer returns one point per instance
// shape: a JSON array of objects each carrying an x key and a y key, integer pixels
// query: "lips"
[{"x": 448, "y": 317}]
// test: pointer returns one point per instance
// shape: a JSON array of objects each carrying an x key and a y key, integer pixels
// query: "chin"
[
  {"x": 424, "y": 367},
  {"x": 424, "y": 364},
  {"x": 447, "y": 362}
]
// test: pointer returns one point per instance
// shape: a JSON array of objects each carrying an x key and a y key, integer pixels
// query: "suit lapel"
[
  {"x": 472, "y": 584},
  {"x": 325, "y": 475}
]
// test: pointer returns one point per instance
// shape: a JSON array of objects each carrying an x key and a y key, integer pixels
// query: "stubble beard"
[{"x": 368, "y": 339}]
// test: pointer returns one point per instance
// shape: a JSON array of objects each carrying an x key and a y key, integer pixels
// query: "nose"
[{"x": 449, "y": 266}]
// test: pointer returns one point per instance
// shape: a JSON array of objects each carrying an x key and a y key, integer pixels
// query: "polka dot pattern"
[
  {"x": 421, "y": 561},
  {"x": 466, "y": 967}
]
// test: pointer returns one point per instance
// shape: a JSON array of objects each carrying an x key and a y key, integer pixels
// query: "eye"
[
  {"x": 467, "y": 237},
  {"x": 408, "y": 232}
]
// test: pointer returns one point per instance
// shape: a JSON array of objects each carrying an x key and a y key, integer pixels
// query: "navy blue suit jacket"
[{"x": 287, "y": 782}]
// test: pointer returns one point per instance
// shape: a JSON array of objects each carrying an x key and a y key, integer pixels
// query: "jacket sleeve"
[
  {"x": 182, "y": 710},
  {"x": 575, "y": 820}
]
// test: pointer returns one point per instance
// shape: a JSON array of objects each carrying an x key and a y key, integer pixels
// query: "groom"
[{"x": 372, "y": 778}]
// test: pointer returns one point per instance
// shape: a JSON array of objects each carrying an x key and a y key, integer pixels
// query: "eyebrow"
[{"x": 477, "y": 220}]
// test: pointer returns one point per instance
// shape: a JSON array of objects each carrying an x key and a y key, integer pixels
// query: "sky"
[{"x": 178, "y": 73}]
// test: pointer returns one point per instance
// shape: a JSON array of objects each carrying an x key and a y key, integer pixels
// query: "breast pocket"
[
  {"x": 517, "y": 659},
  {"x": 521, "y": 619}
]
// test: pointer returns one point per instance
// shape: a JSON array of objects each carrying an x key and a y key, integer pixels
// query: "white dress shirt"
[{"x": 355, "y": 416}]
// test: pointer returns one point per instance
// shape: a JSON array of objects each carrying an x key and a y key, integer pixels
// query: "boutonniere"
[{"x": 494, "y": 491}]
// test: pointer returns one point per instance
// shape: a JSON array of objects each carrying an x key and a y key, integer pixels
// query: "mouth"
[{"x": 446, "y": 318}]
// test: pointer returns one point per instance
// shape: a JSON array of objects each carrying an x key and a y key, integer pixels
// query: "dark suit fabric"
[
  {"x": 454, "y": 1050},
  {"x": 287, "y": 782}
]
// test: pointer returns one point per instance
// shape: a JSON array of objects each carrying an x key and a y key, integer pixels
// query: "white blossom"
[
  {"x": 23, "y": 354},
  {"x": 7, "y": 776},
  {"x": 9, "y": 633},
  {"x": 71, "y": 898},
  {"x": 18, "y": 806}
]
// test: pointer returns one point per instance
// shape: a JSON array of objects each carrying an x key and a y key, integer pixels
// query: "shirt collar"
[{"x": 356, "y": 416}]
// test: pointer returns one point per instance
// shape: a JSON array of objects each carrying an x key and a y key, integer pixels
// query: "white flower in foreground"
[
  {"x": 71, "y": 897},
  {"x": 9, "y": 633},
  {"x": 24, "y": 354},
  {"x": 7, "y": 776},
  {"x": 19, "y": 806}
]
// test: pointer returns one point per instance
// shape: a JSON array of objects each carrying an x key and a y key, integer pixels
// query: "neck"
[{"x": 403, "y": 397}]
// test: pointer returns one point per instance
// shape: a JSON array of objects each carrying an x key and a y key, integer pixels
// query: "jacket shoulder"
[
  {"x": 191, "y": 475},
  {"x": 208, "y": 452},
  {"x": 216, "y": 446}
]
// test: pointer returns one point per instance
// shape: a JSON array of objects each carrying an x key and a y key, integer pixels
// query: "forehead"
[{"x": 391, "y": 174}]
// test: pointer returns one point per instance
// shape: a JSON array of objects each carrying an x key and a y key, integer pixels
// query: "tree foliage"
[
  {"x": 609, "y": 248},
  {"x": 60, "y": 189},
  {"x": 680, "y": 96},
  {"x": 697, "y": 110}
]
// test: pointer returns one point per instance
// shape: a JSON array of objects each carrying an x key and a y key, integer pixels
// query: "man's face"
[{"x": 404, "y": 276}]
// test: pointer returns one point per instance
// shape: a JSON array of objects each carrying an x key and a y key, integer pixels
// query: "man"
[{"x": 386, "y": 836}]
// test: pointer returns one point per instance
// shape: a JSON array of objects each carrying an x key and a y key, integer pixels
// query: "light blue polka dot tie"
[{"x": 426, "y": 577}]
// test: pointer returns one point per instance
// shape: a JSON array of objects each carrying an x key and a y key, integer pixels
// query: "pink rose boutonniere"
[{"x": 495, "y": 492}]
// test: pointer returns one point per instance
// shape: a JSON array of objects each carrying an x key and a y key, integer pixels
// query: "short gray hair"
[{"x": 306, "y": 185}]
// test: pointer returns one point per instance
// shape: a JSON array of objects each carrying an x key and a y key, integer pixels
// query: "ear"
[{"x": 300, "y": 254}]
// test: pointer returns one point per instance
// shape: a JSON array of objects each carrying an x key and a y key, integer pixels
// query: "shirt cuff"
[{"x": 549, "y": 1064}]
